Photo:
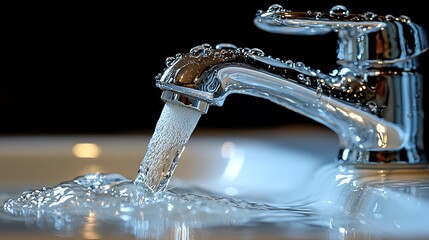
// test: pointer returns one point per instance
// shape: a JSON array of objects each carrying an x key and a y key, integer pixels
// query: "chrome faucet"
[{"x": 373, "y": 101}]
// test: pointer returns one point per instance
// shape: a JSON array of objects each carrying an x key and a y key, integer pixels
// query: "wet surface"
[{"x": 306, "y": 200}]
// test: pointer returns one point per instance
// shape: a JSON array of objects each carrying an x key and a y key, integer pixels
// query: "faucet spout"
[{"x": 373, "y": 102}]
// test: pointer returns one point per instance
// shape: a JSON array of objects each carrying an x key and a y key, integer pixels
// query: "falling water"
[
  {"x": 145, "y": 206},
  {"x": 149, "y": 209},
  {"x": 174, "y": 127}
]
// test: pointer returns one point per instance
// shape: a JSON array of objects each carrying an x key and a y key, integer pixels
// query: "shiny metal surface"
[
  {"x": 365, "y": 39},
  {"x": 373, "y": 102}
]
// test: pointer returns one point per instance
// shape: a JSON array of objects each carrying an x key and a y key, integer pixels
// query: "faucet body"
[{"x": 373, "y": 101}]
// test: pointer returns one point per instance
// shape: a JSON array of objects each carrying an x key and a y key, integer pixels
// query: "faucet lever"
[{"x": 365, "y": 40}]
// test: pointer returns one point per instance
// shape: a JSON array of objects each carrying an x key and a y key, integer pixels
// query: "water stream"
[
  {"x": 149, "y": 207},
  {"x": 172, "y": 132},
  {"x": 147, "y": 204}
]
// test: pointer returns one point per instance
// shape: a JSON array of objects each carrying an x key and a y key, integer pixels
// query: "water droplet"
[
  {"x": 372, "y": 107},
  {"x": 303, "y": 79},
  {"x": 206, "y": 46},
  {"x": 405, "y": 18},
  {"x": 257, "y": 51},
  {"x": 369, "y": 16},
  {"x": 390, "y": 17},
  {"x": 299, "y": 65},
  {"x": 278, "y": 17},
  {"x": 339, "y": 11},
  {"x": 196, "y": 50},
  {"x": 158, "y": 77},
  {"x": 276, "y": 8},
  {"x": 201, "y": 50},
  {"x": 169, "y": 61},
  {"x": 226, "y": 46}
]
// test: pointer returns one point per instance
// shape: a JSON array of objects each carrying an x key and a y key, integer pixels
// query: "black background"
[{"x": 73, "y": 68}]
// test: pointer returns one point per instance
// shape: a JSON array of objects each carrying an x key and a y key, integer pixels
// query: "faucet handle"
[{"x": 365, "y": 40}]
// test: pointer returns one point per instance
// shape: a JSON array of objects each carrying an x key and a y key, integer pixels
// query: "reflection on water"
[
  {"x": 144, "y": 207},
  {"x": 91, "y": 202},
  {"x": 340, "y": 204}
]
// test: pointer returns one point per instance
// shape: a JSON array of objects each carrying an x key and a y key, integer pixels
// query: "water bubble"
[{"x": 339, "y": 11}]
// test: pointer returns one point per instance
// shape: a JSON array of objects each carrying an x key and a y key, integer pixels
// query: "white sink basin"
[{"x": 291, "y": 168}]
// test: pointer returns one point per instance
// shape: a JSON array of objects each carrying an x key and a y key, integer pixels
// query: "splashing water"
[
  {"x": 172, "y": 132},
  {"x": 150, "y": 209},
  {"x": 145, "y": 207},
  {"x": 145, "y": 204},
  {"x": 145, "y": 201},
  {"x": 99, "y": 199}
]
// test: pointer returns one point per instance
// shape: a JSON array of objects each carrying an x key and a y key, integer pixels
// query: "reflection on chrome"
[
  {"x": 382, "y": 136},
  {"x": 372, "y": 102}
]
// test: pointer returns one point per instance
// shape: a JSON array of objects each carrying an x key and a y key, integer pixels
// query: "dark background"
[{"x": 73, "y": 68}]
